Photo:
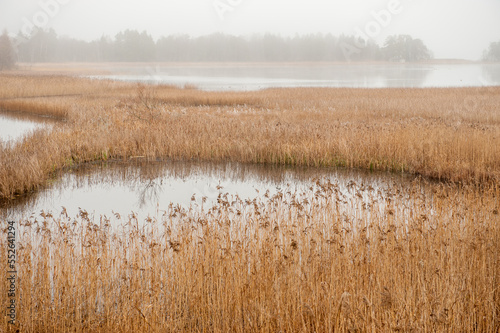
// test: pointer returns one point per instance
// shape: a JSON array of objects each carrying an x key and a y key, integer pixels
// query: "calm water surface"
[
  {"x": 258, "y": 76},
  {"x": 149, "y": 189},
  {"x": 14, "y": 126}
]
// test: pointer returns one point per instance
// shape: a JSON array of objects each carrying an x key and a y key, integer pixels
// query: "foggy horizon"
[{"x": 450, "y": 29}]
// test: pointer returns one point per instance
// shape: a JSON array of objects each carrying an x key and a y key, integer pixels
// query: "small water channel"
[{"x": 116, "y": 190}]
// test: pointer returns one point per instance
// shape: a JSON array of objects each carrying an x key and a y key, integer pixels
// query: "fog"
[{"x": 451, "y": 29}]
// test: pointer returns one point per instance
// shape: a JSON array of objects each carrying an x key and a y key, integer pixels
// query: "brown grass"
[
  {"x": 449, "y": 134},
  {"x": 414, "y": 258},
  {"x": 422, "y": 257}
]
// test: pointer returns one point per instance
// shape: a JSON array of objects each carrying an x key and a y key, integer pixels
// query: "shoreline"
[{"x": 102, "y": 67}]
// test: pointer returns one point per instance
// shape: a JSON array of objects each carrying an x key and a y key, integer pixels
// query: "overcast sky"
[{"x": 450, "y": 28}]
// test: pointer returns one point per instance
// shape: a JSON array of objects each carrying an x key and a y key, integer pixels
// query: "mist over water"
[
  {"x": 367, "y": 205},
  {"x": 453, "y": 29},
  {"x": 236, "y": 77}
]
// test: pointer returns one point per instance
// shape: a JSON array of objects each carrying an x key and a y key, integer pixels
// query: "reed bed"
[
  {"x": 447, "y": 134},
  {"x": 43, "y": 106},
  {"x": 397, "y": 258},
  {"x": 422, "y": 256}
]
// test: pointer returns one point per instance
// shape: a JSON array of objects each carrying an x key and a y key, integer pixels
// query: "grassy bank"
[{"x": 450, "y": 134}]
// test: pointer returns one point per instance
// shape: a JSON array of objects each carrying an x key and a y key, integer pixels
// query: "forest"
[{"x": 135, "y": 46}]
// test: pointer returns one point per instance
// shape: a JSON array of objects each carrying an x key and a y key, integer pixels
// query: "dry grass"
[
  {"x": 414, "y": 258},
  {"x": 423, "y": 257},
  {"x": 449, "y": 134}
]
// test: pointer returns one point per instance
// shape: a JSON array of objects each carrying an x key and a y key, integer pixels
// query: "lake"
[{"x": 244, "y": 76}]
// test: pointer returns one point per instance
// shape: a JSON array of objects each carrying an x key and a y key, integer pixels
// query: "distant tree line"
[{"x": 134, "y": 46}]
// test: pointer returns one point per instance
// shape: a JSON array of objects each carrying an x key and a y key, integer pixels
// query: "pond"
[
  {"x": 117, "y": 189},
  {"x": 15, "y": 126},
  {"x": 244, "y": 76}
]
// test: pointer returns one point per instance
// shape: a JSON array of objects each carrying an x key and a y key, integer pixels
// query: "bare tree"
[{"x": 146, "y": 106}]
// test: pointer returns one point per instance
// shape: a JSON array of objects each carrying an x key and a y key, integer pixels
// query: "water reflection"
[
  {"x": 405, "y": 76},
  {"x": 261, "y": 76},
  {"x": 118, "y": 189},
  {"x": 492, "y": 73},
  {"x": 14, "y": 126}
]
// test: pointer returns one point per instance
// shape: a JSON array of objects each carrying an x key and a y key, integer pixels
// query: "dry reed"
[
  {"x": 415, "y": 258},
  {"x": 389, "y": 259},
  {"x": 449, "y": 134}
]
